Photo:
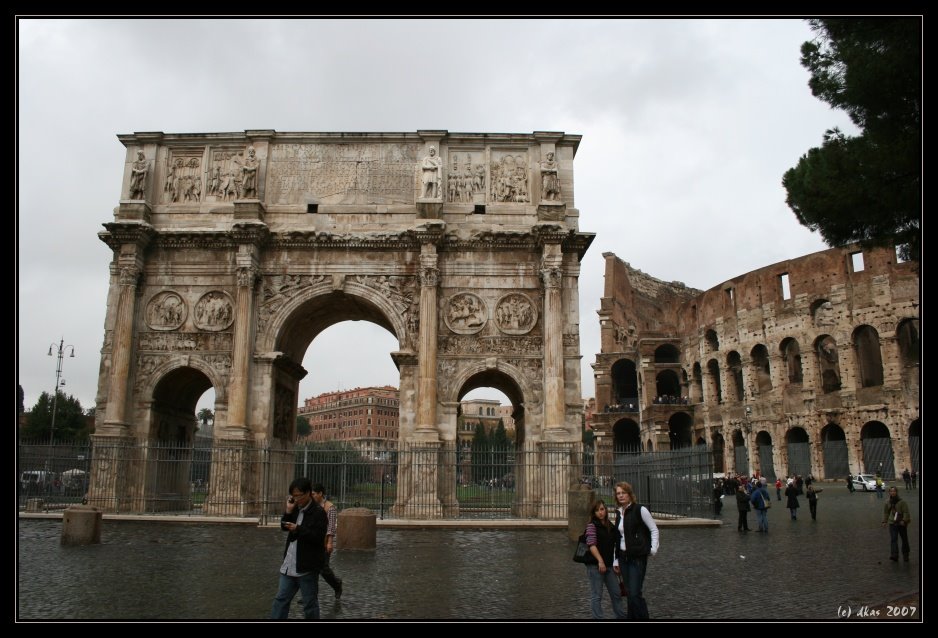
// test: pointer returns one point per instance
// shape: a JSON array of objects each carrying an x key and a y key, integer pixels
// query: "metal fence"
[
  {"x": 767, "y": 462},
  {"x": 799, "y": 459},
  {"x": 408, "y": 481},
  {"x": 672, "y": 483},
  {"x": 836, "y": 463},
  {"x": 878, "y": 457}
]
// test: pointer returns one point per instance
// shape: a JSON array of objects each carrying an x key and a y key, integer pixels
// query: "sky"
[{"x": 688, "y": 126}]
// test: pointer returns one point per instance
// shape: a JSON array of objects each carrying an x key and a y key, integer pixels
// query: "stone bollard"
[
  {"x": 81, "y": 525},
  {"x": 578, "y": 509},
  {"x": 357, "y": 529},
  {"x": 34, "y": 505}
]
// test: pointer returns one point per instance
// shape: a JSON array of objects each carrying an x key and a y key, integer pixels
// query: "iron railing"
[{"x": 442, "y": 480}]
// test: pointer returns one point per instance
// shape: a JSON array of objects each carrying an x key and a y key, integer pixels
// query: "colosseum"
[{"x": 807, "y": 366}]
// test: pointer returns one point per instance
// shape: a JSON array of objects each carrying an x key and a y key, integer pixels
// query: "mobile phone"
[{"x": 290, "y": 500}]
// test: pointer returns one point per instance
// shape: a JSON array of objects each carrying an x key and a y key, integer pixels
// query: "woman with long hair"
[
  {"x": 638, "y": 541},
  {"x": 602, "y": 538}
]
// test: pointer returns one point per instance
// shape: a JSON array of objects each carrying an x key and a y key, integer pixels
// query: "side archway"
[
  {"x": 799, "y": 452},
  {"x": 834, "y": 440},
  {"x": 766, "y": 458},
  {"x": 877, "y": 449}
]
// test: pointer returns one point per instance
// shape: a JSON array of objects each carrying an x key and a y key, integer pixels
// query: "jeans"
[
  {"x": 762, "y": 518},
  {"x": 611, "y": 582},
  {"x": 895, "y": 533},
  {"x": 633, "y": 572},
  {"x": 308, "y": 584}
]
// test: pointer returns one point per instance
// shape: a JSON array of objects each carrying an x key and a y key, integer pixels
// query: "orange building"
[{"x": 366, "y": 417}]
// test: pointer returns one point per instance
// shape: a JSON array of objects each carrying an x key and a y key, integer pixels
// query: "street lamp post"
[{"x": 60, "y": 352}]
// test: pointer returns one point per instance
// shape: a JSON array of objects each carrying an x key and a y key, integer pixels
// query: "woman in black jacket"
[
  {"x": 602, "y": 538},
  {"x": 791, "y": 492},
  {"x": 742, "y": 504}
]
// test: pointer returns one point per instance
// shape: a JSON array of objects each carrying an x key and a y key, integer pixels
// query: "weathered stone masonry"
[{"x": 233, "y": 251}]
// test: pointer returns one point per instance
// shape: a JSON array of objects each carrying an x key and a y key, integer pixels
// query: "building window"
[
  {"x": 785, "y": 286},
  {"x": 856, "y": 262}
]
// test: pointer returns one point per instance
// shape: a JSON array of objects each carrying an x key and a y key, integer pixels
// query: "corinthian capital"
[
  {"x": 129, "y": 275},
  {"x": 247, "y": 276},
  {"x": 551, "y": 277},
  {"x": 430, "y": 277}
]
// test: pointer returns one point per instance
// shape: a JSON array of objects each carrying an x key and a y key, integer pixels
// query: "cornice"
[{"x": 117, "y": 234}]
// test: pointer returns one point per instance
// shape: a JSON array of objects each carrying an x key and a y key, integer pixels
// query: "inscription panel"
[{"x": 342, "y": 173}]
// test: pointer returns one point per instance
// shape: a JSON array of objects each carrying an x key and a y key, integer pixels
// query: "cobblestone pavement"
[{"x": 800, "y": 570}]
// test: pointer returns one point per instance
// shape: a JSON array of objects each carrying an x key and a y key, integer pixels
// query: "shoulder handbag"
[
  {"x": 582, "y": 550},
  {"x": 766, "y": 502}
]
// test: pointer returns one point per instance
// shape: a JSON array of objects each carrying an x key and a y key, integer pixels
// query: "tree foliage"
[
  {"x": 334, "y": 464},
  {"x": 70, "y": 423},
  {"x": 864, "y": 188},
  {"x": 204, "y": 417},
  {"x": 303, "y": 428},
  {"x": 499, "y": 437}
]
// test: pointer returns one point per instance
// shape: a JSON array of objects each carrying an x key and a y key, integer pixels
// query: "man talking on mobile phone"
[{"x": 304, "y": 555}]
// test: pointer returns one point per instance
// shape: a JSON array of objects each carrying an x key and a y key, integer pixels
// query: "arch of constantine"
[{"x": 233, "y": 251}]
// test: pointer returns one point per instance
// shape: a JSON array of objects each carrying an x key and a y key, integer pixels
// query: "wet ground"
[{"x": 168, "y": 571}]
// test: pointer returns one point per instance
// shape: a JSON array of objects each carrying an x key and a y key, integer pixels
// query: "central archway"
[{"x": 289, "y": 334}]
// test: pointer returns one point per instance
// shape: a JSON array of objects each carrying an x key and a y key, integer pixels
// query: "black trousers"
[{"x": 743, "y": 523}]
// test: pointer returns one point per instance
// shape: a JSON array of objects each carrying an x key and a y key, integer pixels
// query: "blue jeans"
[
  {"x": 762, "y": 518},
  {"x": 611, "y": 581},
  {"x": 897, "y": 532},
  {"x": 633, "y": 571},
  {"x": 308, "y": 584}
]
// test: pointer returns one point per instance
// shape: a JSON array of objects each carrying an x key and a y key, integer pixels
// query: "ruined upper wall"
[
  {"x": 638, "y": 304},
  {"x": 757, "y": 300},
  {"x": 328, "y": 181}
]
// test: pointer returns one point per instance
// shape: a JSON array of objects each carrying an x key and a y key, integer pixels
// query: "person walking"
[
  {"x": 761, "y": 501},
  {"x": 914, "y": 478},
  {"x": 639, "y": 540},
  {"x": 742, "y": 504},
  {"x": 602, "y": 538},
  {"x": 791, "y": 493},
  {"x": 811, "y": 495},
  {"x": 778, "y": 488},
  {"x": 896, "y": 515},
  {"x": 879, "y": 486},
  {"x": 850, "y": 487},
  {"x": 319, "y": 495},
  {"x": 907, "y": 477},
  {"x": 304, "y": 553}
]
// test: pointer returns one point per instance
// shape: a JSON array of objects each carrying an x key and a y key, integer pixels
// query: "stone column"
[
  {"x": 241, "y": 354},
  {"x": 122, "y": 349},
  {"x": 551, "y": 275},
  {"x": 426, "y": 355},
  {"x": 250, "y": 237}
]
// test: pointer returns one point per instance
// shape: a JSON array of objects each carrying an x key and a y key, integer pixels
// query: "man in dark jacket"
[{"x": 304, "y": 554}]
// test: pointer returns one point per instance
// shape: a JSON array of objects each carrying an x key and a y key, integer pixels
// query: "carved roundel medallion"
[
  {"x": 166, "y": 311},
  {"x": 213, "y": 311},
  {"x": 515, "y": 314},
  {"x": 466, "y": 313}
]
